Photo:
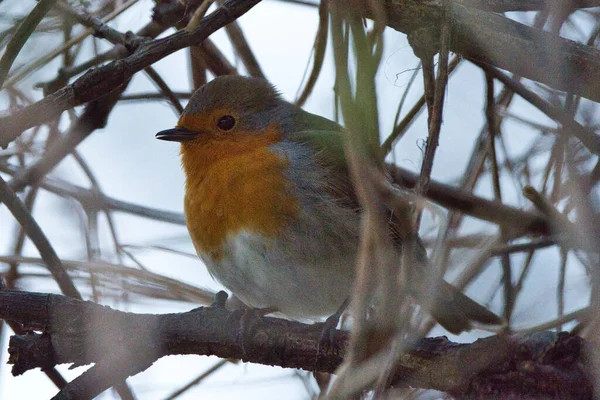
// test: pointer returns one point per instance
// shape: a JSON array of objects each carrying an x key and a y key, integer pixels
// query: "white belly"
[{"x": 304, "y": 277}]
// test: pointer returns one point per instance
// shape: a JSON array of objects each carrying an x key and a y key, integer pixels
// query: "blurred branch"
[
  {"x": 197, "y": 69},
  {"x": 243, "y": 50},
  {"x": 215, "y": 60},
  {"x": 90, "y": 199},
  {"x": 121, "y": 344},
  {"x": 494, "y": 134},
  {"x": 34, "y": 232},
  {"x": 95, "y": 116},
  {"x": 379, "y": 334},
  {"x": 319, "y": 48},
  {"x": 200, "y": 378},
  {"x": 164, "y": 89},
  {"x": 97, "y": 112}
]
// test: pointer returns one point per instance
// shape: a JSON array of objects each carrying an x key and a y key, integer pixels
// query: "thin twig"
[
  {"x": 164, "y": 88},
  {"x": 585, "y": 135},
  {"x": 200, "y": 378},
  {"x": 90, "y": 199},
  {"x": 436, "y": 108},
  {"x": 100, "y": 29},
  {"x": 411, "y": 115},
  {"x": 242, "y": 49}
]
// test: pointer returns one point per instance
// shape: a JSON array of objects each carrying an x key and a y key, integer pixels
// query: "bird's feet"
[
  {"x": 250, "y": 319},
  {"x": 328, "y": 330},
  {"x": 220, "y": 299}
]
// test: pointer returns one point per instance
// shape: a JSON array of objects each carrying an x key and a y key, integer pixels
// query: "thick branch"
[
  {"x": 543, "y": 365},
  {"x": 501, "y": 6},
  {"x": 499, "y": 41}
]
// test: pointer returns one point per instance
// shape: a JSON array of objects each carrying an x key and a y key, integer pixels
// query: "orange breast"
[{"x": 234, "y": 184}]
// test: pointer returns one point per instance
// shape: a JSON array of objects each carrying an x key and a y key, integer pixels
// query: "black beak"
[{"x": 176, "y": 135}]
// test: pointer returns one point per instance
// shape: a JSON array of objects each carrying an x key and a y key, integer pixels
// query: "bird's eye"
[{"x": 226, "y": 122}]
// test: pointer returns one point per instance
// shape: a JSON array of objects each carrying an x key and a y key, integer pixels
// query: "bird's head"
[{"x": 230, "y": 107}]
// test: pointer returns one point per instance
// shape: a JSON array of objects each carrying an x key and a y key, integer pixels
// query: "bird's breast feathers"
[
  {"x": 246, "y": 192},
  {"x": 267, "y": 229}
]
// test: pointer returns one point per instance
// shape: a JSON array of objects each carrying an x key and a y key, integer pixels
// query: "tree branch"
[
  {"x": 104, "y": 79},
  {"x": 493, "y": 39},
  {"x": 501, "y": 6},
  {"x": 516, "y": 221},
  {"x": 547, "y": 364}
]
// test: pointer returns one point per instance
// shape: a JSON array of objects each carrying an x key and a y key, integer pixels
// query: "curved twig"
[{"x": 35, "y": 233}]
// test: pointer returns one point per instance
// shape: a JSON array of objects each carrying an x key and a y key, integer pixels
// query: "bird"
[{"x": 270, "y": 205}]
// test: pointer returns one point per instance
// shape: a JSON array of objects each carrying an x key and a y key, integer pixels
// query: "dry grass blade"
[
  {"x": 22, "y": 73},
  {"x": 319, "y": 53},
  {"x": 145, "y": 283},
  {"x": 378, "y": 335},
  {"x": 21, "y": 35}
]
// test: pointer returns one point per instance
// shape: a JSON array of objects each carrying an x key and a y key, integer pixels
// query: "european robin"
[{"x": 270, "y": 206}]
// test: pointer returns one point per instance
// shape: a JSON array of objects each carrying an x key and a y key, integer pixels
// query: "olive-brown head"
[{"x": 229, "y": 105}]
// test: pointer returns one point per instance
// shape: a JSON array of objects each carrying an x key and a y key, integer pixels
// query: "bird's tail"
[{"x": 455, "y": 311}]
